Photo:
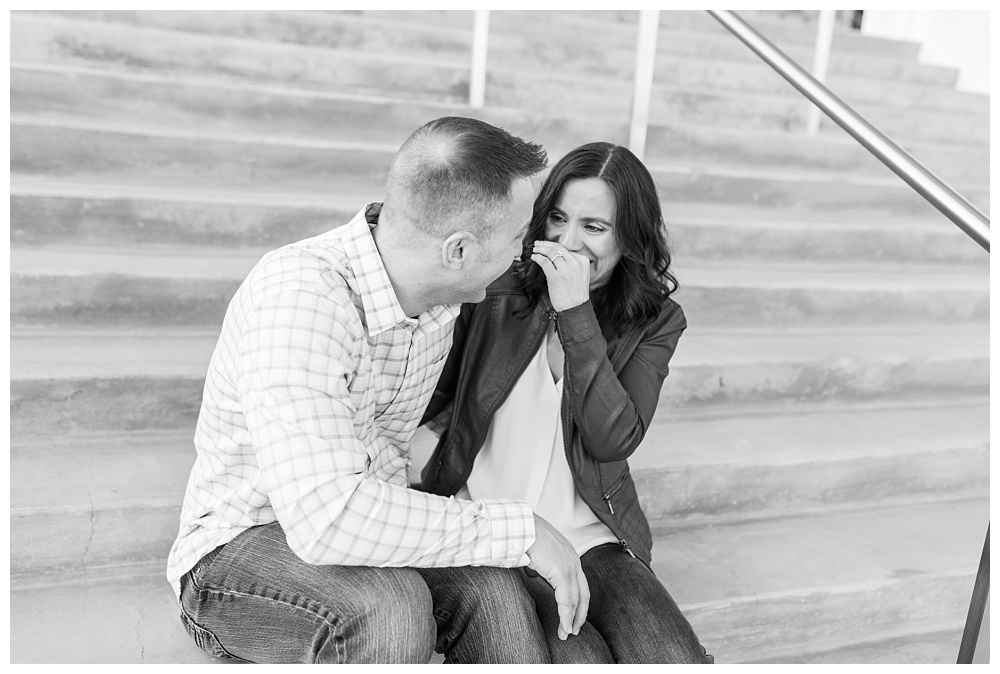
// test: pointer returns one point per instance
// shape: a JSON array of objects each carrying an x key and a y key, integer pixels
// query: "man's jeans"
[
  {"x": 253, "y": 599},
  {"x": 632, "y": 617}
]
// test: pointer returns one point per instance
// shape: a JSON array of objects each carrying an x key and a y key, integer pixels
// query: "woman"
[{"x": 552, "y": 382}]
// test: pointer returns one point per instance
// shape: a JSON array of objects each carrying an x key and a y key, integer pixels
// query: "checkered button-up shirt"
[{"x": 314, "y": 391}]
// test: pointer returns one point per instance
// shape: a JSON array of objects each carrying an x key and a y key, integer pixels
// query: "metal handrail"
[{"x": 953, "y": 205}]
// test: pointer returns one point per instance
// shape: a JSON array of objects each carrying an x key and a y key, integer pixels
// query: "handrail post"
[
  {"x": 645, "y": 61},
  {"x": 821, "y": 62},
  {"x": 938, "y": 193},
  {"x": 477, "y": 78}
]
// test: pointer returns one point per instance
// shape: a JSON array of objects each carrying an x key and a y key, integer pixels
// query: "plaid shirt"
[{"x": 314, "y": 391}]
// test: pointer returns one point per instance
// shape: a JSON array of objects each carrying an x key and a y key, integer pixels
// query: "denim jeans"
[
  {"x": 632, "y": 618},
  {"x": 254, "y": 600}
]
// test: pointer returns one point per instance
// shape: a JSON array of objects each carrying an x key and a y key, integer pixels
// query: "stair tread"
[
  {"x": 205, "y": 262},
  {"x": 917, "y": 649},
  {"x": 686, "y": 212},
  {"x": 804, "y": 554},
  {"x": 291, "y": 143},
  {"x": 41, "y": 353},
  {"x": 790, "y": 434},
  {"x": 102, "y": 470},
  {"x": 81, "y": 24},
  {"x": 139, "y": 622}
]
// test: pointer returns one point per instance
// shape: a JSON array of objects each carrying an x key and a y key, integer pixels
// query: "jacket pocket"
[{"x": 609, "y": 494}]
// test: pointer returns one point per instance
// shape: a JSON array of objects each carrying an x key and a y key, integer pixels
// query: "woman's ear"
[{"x": 456, "y": 250}]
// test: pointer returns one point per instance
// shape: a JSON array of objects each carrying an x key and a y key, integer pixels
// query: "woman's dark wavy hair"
[{"x": 641, "y": 280}]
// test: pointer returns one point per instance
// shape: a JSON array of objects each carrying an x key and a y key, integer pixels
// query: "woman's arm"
[{"x": 613, "y": 412}]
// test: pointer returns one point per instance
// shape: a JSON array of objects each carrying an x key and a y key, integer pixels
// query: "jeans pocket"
[
  {"x": 206, "y": 640},
  {"x": 203, "y": 565}
]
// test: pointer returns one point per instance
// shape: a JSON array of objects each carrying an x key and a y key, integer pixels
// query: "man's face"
[{"x": 506, "y": 245}]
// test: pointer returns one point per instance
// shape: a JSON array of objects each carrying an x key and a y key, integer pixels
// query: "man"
[{"x": 300, "y": 539}]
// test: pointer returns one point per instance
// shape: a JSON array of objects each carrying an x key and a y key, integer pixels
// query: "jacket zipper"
[
  {"x": 611, "y": 492},
  {"x": 566, "y": 421}
]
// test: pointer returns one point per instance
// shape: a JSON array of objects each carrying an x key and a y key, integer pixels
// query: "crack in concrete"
[
  {"x": 93, "y": 514},
  {"x": 138, "y": 636}
]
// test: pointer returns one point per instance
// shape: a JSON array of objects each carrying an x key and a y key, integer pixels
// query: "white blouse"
[{"x": 524, "y": 458}]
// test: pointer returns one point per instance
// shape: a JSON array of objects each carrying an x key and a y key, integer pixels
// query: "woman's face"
[{"x": 582, "y": 220}]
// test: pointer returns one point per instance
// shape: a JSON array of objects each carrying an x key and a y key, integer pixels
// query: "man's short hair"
[{"x": 457, "y": 173}]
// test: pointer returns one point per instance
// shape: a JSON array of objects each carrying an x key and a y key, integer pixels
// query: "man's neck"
[{"x": 406, "y": 271}]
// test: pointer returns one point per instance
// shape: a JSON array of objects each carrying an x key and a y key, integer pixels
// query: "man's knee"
[{"x": 395, "y": 618}]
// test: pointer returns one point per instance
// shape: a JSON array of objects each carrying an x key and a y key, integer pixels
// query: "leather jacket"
[{"x": 610, "y": 392}]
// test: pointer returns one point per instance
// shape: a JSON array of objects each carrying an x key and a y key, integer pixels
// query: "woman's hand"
[{"x": 568, "y": 274}]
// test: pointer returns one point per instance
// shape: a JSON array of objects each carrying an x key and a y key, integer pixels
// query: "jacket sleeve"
[
  {"x": 444, "y": 391},
  {"x": 613, "y": 412}
]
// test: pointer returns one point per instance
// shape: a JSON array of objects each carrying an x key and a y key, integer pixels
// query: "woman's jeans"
[
  {"x": 253, "y": 599},
  {"x": 632, "y": 617}
]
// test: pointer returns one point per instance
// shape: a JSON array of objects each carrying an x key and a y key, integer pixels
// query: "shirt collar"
[{"x": 382, "y": 308}]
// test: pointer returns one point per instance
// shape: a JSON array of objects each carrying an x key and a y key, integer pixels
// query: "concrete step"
[
  {"x": 727, "y": 365},
  {"x": 938, "y": 647},
  {"x": 139, "y": 154},
  {"x": 72, "y": 380},
  {"x": 761, "y": 148},
  {"x": 52, "y": 38},
  {"x": 798, "y": 188},
  {"x": 54, "y": 93},
  {"x": 788, "y": 32},
  {"x": 812, "y": 294},
  {"x": 139, "y": 620},
  {"x": 334, "y": 30},
  {"x": 193, "y": 286},
  {"x": 110, "y": 153},
  {"x": 715, "y": 465},
  {"x": 807, "y": 589},
  {"x": 47, "y": 211},
  {"x": 785, "y": 587},
  {"x": 722, "y": 233}
]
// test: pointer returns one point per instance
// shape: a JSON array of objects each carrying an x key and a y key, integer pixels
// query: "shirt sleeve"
[{"x": 295, "y": 363}]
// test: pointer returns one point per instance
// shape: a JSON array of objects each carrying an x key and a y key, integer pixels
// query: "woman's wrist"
[{"x": 578, "y": 323}]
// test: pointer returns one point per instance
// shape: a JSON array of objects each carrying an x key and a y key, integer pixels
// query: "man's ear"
[{"x": 457, "y": 250}]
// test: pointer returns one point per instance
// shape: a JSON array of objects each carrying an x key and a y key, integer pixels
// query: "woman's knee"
[{"x": 501, "y": 592}]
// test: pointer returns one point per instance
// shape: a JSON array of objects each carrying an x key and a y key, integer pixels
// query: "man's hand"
[{"x": 555, "y": 560}]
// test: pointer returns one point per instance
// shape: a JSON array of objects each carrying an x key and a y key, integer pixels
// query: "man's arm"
[{"x": 294, "y": 363}]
